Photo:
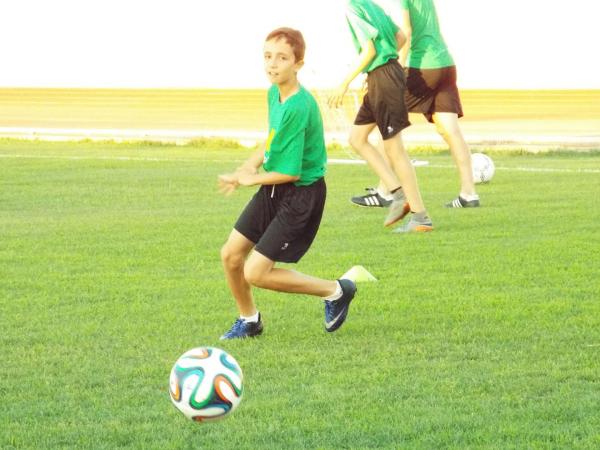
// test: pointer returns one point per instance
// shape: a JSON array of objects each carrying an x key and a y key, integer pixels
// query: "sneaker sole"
[
  {"x": 368, "y": 206},
  {"x": 468, "y": 204},
  {"x": 248, "y": 336},
  {"x": 461, "y": 207},
  {"x": 423, "y": 228},
  {"x": 416, "y": 229}
]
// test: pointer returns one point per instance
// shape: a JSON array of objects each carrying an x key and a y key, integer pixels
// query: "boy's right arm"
[{"x": 228, "y": 183}]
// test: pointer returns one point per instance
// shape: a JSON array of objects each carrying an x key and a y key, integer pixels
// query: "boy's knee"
[
  {"x": 356, "y": 141},
  {"x": 446, "y": 128},
  {"x": 353, "y": 142},
  {"x": 230, "y": 258},
  {"x": 253, "y": 275}
]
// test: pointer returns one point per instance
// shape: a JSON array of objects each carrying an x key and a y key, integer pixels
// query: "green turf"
[{"x": 482, "y": 334}]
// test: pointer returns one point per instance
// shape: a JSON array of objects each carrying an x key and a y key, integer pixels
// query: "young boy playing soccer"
[
  {"x": 378, "y": 39},
  {"x": 282, "y": 219}
]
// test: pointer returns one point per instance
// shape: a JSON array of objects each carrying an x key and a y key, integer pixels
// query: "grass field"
[{"x": 482, "y": 334}]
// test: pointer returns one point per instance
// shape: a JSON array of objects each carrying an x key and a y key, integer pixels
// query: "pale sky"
[{"x": 509, "y": 44}]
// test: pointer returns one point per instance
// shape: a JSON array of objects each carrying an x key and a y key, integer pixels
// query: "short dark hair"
[{"x": 293, "y": 37}]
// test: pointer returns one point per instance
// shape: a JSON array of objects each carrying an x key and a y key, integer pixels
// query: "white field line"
[
  {"x": 107, "y": 158},
  {"x": 341, "y": 126},
  {"x": 526, "y": 169},
  {"x": 416, "y": 163}
]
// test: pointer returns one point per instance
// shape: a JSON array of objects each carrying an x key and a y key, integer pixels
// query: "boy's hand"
[
  {"x": 336, "y": 99},
  {"x": 364, "y": 88},
  {"x": 228, "y": 183}
]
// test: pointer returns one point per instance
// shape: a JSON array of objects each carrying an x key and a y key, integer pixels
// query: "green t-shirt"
[
  {"x": 296, "y": 144},
  {"x": 367, "y": 21},
  {"x": 427, "y": 48}
]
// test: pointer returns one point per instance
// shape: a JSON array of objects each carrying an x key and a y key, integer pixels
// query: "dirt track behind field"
[{"x": 545, "y": 118}]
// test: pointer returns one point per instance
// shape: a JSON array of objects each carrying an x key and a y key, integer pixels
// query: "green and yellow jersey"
[{"x": 296, "y": 144}]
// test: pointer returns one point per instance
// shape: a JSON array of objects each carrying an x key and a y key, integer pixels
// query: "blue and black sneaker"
[
  {"x": 242, "y": 329},
  {"x": 337, "y": 310}
]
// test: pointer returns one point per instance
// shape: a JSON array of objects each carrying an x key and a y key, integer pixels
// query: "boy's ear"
[{"x": 299, "y": 64}]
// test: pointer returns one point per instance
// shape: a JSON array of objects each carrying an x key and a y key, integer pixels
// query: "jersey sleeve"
[
  {"x": 286, "y": 147},
  {"x": 404, "y": 4},
  {"x": 362, "y": 31}
]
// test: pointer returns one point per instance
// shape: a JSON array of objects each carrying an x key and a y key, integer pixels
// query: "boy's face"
[{"x": 280, "y": 63}]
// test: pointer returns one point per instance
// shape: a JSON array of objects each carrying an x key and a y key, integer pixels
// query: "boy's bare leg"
[
  {"x": 447, "y": 126},
  {"x": 359, "y": 140},
  {"x": 381, "y": 186},
  {"x": 400, "y": 162},
  {"x": 260, "y": 271},
  {"x": 233, "y": 257}
]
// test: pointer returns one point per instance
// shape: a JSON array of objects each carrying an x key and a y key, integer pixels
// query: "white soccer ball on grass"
[{"x": 483, "y": 168}]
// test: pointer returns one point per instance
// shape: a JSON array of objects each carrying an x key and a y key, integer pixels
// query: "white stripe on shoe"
[{"x": 372, "y": 200}]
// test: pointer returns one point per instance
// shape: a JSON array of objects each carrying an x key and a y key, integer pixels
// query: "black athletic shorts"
[
  {"x": 432, "y": 90},
  {"x": 384, "y": 102},
  {"x": 283, "y": 219}
]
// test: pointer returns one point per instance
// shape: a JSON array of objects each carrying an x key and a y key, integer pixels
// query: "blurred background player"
[
  {"x": 281, "y": 221},
  {"x": 377, "y": 40},
  {"x": 431, "y": 91}
]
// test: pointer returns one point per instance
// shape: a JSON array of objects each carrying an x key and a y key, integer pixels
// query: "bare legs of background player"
[
  {"x": 395, "y": 171},
  {"x": 447, "y": 126}
]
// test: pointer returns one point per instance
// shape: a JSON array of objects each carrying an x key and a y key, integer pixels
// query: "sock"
[
  {"x": 421, "y": 217},
  {"x": 469, "y": 198},
  {"x": 337, "y": 294},
  {"x": 251, "y": 319},
  {"x": 385, "y": 194},
  {"x": 398, "y": 194}
]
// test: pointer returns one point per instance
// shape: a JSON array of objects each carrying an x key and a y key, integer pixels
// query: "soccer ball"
[
  {"x": 483, "y": 168},
  {"x": 206, "y": 384}
]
